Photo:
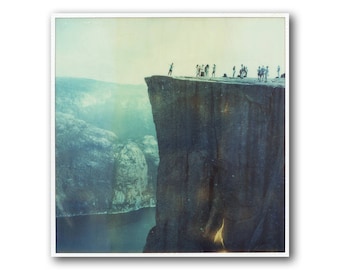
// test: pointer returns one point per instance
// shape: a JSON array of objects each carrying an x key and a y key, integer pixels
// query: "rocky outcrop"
[
  {"x": 97, "y": 174},
  {"x": 106, "y": 154},
  {"x": 221, "y": 181},
  {"x": 84, "y": 167},
  {"x": 131, "y": 180}
]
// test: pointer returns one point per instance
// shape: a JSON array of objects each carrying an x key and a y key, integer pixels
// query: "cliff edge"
[{"x": 221, "y": 182}]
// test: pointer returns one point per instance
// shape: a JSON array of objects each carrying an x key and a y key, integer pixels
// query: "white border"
[
  {"x": 52, "y": 147},
  {"x": 287, "y": 145},
  {"x": 170, "y": 15}
]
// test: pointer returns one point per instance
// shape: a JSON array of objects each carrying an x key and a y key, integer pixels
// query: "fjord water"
[{"x": 104, "y": 233}]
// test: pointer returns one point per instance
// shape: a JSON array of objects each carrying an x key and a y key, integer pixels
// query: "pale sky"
[{"x": 125, "y": 50}]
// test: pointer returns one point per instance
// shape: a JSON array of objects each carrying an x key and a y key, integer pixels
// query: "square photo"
[{"x": 170, "y": 135}]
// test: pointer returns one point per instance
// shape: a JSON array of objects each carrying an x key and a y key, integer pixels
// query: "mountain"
[
  {"x": 106, "y": 153},
  {"x": 221, "y": 176},
  {"x": 122, "y": 109}
]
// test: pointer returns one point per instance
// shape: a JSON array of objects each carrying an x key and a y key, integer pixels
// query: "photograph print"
[{"x": 170, "y": 135}]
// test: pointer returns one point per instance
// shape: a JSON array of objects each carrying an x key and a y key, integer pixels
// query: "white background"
[{"x": 25, "y": 134}]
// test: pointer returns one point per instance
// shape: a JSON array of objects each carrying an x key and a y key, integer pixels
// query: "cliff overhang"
[{"x": 221, "y": 177}]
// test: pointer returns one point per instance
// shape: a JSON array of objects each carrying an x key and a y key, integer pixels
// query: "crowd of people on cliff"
[
  {"x": 262, "y": 73},
  {"x": 203, "y": 71}
]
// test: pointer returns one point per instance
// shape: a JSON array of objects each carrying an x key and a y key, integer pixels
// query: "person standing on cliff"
[
  {"x": 241, "y": 72},
  {"x": 170, "y": 69},
  {"x": 278, "y": 71},
  {"x": 259, "y": 73},
  {"x": 202, "y": 71},
  {"x": 206, "y": 69},
  {"x": 245, "y": 71},
  {"x": 266, "y": 72},
  {"x": 234, "y": 70},
  {"x": 263, "y": 71},
  {"x": 214, "y": 70},
  {"x": 198, "y": 70}
]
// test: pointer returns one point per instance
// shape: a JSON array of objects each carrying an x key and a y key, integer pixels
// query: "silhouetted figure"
[
  {"x": 243, "y": 72},
  {"x": 240, "y": 75},
  {"x": 262, "y": 71},
  {"x": 259, "y": 73},
  {"x": 278, "y": 71},
  {"x": 170, "y": 69},
  {"x": 198, "y": 70},
  {"x": 214, "y": 70},
  {"x": 206, "y": 70},
  {"x": 234, "y": 70},
  {"x": 266, "y": 72}
]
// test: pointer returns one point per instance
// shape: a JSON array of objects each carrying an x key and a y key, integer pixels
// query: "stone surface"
[
  {"x": 131, "y": 179},
  {"x": 104, "y": 135},
  {"x": 84, "y": 167},
  {"x": 96, "y": 174},
  {"x": 221, "y": 182}
]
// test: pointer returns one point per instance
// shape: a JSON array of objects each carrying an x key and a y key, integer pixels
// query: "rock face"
[
  {"x": 131, "y": 178},
  {"x": 96, "y": 174},
  {"x": 99, "y": 170},
  {"x": 84, "y": 167},
  {"x": 149, "y": 146},
  {"x": 221, "y": 182}
]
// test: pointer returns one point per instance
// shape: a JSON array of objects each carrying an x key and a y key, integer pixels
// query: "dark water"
[{"x": 125, "y": 232}]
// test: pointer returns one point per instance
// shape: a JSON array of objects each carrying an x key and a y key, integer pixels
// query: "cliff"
[
  {"x": 97, "y": 174},
  {"x": 221, "y": 182},
  {"x": 106, "y": 153}
]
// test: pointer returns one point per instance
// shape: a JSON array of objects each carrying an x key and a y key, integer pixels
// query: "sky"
[{"x": 128, "y": 49}]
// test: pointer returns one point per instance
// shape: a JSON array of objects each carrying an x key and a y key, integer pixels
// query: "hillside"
[{"x": 106, "y": 152}]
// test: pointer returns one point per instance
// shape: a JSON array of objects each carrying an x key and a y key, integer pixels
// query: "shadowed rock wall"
[{"x": 220, "y": 184}]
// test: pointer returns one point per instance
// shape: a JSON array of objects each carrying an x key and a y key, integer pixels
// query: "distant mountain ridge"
[{"x": 116, "y": 107}]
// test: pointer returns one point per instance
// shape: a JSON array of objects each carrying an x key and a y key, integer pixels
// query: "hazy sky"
[{"x": 125, "y": 50}]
